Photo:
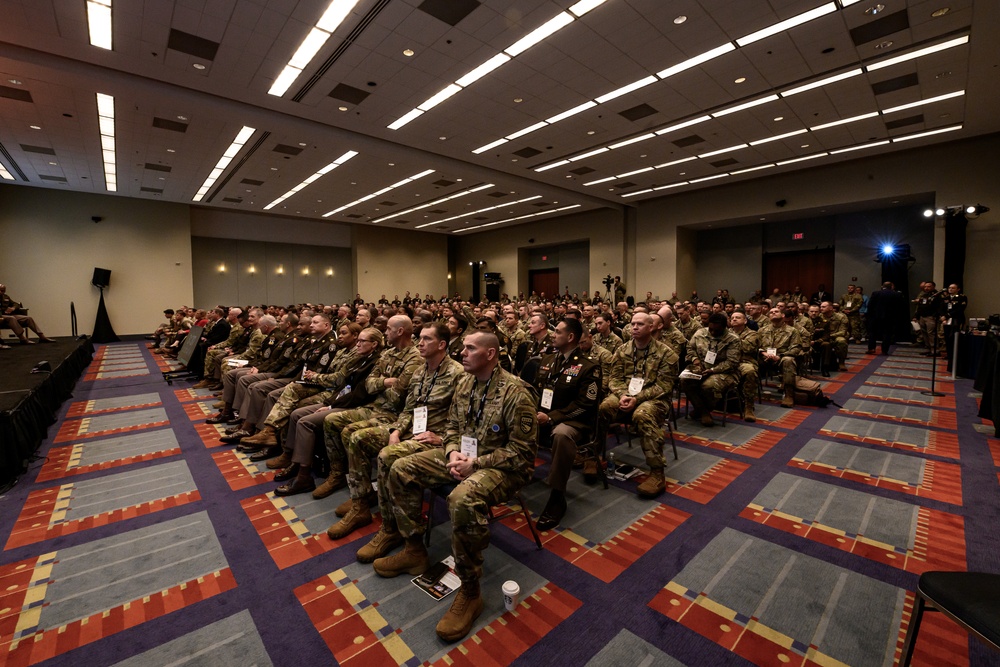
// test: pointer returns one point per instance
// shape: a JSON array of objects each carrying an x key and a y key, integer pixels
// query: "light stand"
[{"x": 934, "y": 364}]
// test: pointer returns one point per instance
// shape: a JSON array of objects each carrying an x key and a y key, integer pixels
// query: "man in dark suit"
[
  {"x": 821, "y": 295},
  {"x": 569, "y": 385},
  {"x": 887, "y": 312}
]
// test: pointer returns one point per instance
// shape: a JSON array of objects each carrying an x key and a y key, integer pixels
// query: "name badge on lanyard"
[
  {"x": 635, "y": 386},
  {"x": 710, "y": 357},
  {"x": 419, "y": 419},
  {"x": 470, "y": 446},
  {"x": 547, "y": 399}
]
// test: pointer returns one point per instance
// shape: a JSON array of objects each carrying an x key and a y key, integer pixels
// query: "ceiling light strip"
[
  {"x": 99, "y": 23},
  {"x": 380, "y": 192},
  {"x": 334, "y": 15},
  {"x": 844, "y": 121},
  {"x": 520, "y": 217},
  {"x": 859, "y": 148},
  {"x": 787, "y": 24},
  {"x": 241, "y": 138},
  {"x": 823, "y": 82},
  {"x": 934, "y": 48},
  {"x": 921, "y": 135},
  {"x": 778, "y": 137},
  {"x": 325, "y": 170},
  {"x": 434, "y": 202},
  {"x": 482, "y": 210},
  {"x": 106, "y": 122},
  {"x": 4, "y": 174},
  {"x": 547, "y": 29},
  {"x": 930, "y": 100}
]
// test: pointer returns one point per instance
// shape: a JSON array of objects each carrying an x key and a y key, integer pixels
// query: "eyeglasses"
[{"x": 365, "y": 340}]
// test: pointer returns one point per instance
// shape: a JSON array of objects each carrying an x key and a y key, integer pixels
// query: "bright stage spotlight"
[
  {"x": 929, "y": 213},
  {"x": 888, "y": 250},
  {"x": 970, "y": 209},
  {"x": 940, "y": 211}
]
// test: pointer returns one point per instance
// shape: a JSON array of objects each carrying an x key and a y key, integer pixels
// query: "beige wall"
[
  {"x": 50, "y": 248},
  {"x": 392, "y": 261},
  {"x": 604, "y": 229}
]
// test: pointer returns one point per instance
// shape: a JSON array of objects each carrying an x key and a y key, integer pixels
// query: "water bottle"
[{"x": 611, "y": 463}]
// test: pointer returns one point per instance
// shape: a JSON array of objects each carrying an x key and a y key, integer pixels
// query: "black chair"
[
  {"x": 971, "y": 599},
  {"x": 731, "y": 394},
  {"x": 444, "y": 490}
]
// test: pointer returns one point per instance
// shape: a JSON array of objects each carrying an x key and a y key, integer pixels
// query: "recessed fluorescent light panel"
[
  {"x": 106, "y": 121},
  {"x": 4, "y": 174},
  {"x": 482, "y": 210},
  {"x": 325, "y": 170},
  {"x": 334, "y": 15},
  {"x": 520, "y": 217},
  {"x": 241, "y": 138},
  {"x": 822, "y": 82},
  {"x": 434, "y": 202},
  {"x": 788, "y": 24},
  {"x": 927, "y": 134},
  {"x": 930, "y": 100},
  {"x": 958, "y": 41},
  {"x": 378, "y": 193},
  {"x": 99, "y": 23}
]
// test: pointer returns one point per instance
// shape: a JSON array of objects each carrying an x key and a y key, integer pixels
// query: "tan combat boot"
[
  {"x": 358, "y": 517},
  {"x": 457, "y": 621},
  {"x": 336, "y": 480},
  {"x": 748, "y": 414},
  {"x": 385, "y": 540},
  {"x": 283, "y": 460},
  {"x": 789, "y": 399},
  {"x": 411, "y": 560},
  {"x": 267, "y": 437},
  {"x": 345, "y": 507},
  {"x": 654, "y": 485}
]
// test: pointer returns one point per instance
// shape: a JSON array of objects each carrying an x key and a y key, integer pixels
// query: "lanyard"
[
  {"x": 482, "y": 400},
  {"x": 422, "y": 397},
  {"x": 635, "y": 362}
]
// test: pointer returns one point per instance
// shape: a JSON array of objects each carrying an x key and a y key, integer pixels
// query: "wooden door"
[
  {"x": 544, "y": 280},
  {"x": 803, "y": 268}
]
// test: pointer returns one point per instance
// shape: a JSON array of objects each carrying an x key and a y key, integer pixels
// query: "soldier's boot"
[
  {"x": 466, "y": 608},
  {"x": 202, "y": 384},
  {"x": 345, "y": 507},
  {"x": 748, "y": 414},
  {"x": 283, "y": 460},
  {"x": 385, "y": 540},
  {"x": 789, "y": 399},
  {"x": 654, "y": 485},
  {"x": 358, "y": 517},
  {"x": 411, "y": 560},
  {"x": 267, "y": 437},
  {"x": 336, "y": 480}
]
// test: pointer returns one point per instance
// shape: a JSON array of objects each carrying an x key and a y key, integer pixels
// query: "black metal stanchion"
[{"x": 934, "y": 363}]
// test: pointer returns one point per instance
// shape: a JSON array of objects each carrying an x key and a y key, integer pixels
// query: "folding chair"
[{"x": 444, "y": 490}]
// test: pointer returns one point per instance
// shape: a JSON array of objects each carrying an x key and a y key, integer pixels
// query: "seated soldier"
[
  {"x": 780, "y": 346},
  {"x": 714, "y": 354},
  {"x": 489, "y": 451},
  {"x": 568, "y": 385},
  {"x": 749, "y": 345},
  {"x": 599, "y": 356},
  {"x": 820, "y": 340},
  {"x": 12, "y": 309},
  {"x": 642, "y": 378},
  {"x": 839, "y": 332}
]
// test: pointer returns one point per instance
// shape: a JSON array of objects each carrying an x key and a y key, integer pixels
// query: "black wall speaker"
[{"x": 102, "y": 277}]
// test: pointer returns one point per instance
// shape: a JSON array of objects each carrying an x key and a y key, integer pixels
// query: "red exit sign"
[{"x": 798, "y": 236}]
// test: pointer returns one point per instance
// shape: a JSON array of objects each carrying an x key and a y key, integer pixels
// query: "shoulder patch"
[
  {"x": 592, "y": 391},
  {"x": 526, "y": 423}
]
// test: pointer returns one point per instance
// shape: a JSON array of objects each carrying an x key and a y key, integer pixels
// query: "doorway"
[
  {"x": 802, "y": 268},
  {"x": 544, "y": 280}
]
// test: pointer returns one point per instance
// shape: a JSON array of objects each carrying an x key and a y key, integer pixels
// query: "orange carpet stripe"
[
  {"x": 236, "y": 470},
  {"x": 942, "y": 481},
  {"x": 57, "y": 464}
]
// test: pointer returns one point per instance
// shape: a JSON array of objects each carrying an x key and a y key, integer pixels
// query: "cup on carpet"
[{"x": 511, "y": 595}]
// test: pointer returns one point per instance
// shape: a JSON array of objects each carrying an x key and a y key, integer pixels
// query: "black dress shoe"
[
  {"x": 286, "y": 474},
  {"x": 249, "y": 449},
  {"x": 265, "y": 454},
  {"x": 235, "y": 437},
  {"x": 553, "y": 513},
  {"x": 296, "y": 486},
  {"x": 219, "y": 419}
]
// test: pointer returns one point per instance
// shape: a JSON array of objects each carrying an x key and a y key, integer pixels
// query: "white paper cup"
[{"x": 511, "y": 595}]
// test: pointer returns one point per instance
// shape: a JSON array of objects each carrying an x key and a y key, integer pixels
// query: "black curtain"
[{"x": 954, "y": 249}]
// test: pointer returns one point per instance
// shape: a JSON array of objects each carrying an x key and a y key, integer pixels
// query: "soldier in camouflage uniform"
[
  {"x": 820, "y": 340},
  {"x": 850, "y": 307},
  {"x": 599, "y": 356},
  {"x": 687, "y": 324},
  {"x": 605, "y": 337},
  {"x": 670, "y": 334},
  {"x": 367, "y": 426},
  {"x": 273, "y": 336},
  {"x": 749, "y": 346},
  {"x": 714, "y": 354},
  {"x": 489, "y": 450},
  {"x": 246, "y": 347},
  {"x": 839, "y": 332},
  {"x": 419, "y": 427},
  {"x": 219, "y": 350},
  {"x": 780, "y": 346},
  {"x": 642, "y": 379}
]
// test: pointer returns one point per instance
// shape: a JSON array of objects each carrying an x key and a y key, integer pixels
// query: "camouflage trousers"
[
  {"x": 857, "y": 328},
  {"x": 748, "y": 375},
  {"x": 705, "y": 394},
  {"x": 786, "y": 366},
  {"x": 213, "y": 360},
  {"x": 364, "y": 440},
  {"x": 648, "y": 418},
  {"x": 389, "y": 455},
  {"x": 468, "y": 504},
  {"x": 839, "y": 347},
  {"x": 338, "y": 426},
  {"x": 293, "y": 396}
]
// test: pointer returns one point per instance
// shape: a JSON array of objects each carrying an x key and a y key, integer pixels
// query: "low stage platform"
[{"x": 29, "y": 401}]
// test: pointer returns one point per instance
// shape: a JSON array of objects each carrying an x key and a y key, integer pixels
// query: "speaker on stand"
[{"x": 103, "y": 331}]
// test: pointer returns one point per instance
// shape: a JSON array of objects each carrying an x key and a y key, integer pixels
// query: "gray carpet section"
[
  {"x": 88, "y": 578},
  {"x": 854, "y": 512},
  {"x": 231, "y": 642},
  {"x": 628, "y": 649},
  {"x": 125, "y": 419},
  {"x": 896, "y": 410},
  {"x": 689, "y": 466},
  {"x": 125, "y": 401},
  {"x": 734, "y": 433},
  {"x": 850, "y": 617},
  {"x": 877, "y": 462},
  {"x": 142, "y": 370},
  {"x": 125, "y": 489},
  {"x": 133, "y": 444},
  {"x": 887, "y": 431},
  {"x": 904, "y": 372},
  {"x": 910, "y": 396}
]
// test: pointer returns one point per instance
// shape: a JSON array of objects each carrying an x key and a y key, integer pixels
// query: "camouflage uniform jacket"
[
  {"x": 727, "y": 349},
  {"x": 235, "y": 332},
  {"x": 689, "y": 328},
  {"x": 504, "y": 423},
  {"x": 749, "y": 345},
  {"x": 675, "y": 338},
  {"x": 610, "y": 342},
  {"x": 343, "y": 364},
  {"x": 256, "y": 339},
  {"x": 603, "y": 357},
  {"x": 838, "y": 325},
  {"x": 399, "y": 364},
  {"x": 656, "y": 365},
  {"x": 433, "y": 390},
  {"x": 786, "y": 340}
]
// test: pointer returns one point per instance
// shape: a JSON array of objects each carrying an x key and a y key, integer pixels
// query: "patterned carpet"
[{"x": 139, "y": 540}]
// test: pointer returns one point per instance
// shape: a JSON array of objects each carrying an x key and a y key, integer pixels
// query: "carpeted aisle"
[{"x": 140, "y": 540}]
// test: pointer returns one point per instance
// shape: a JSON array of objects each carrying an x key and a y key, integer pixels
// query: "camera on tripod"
[{"x": 608, "y": 282}]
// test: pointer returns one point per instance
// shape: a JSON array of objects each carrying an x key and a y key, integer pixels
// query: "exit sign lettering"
[{"x": 798, "y": 236}]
